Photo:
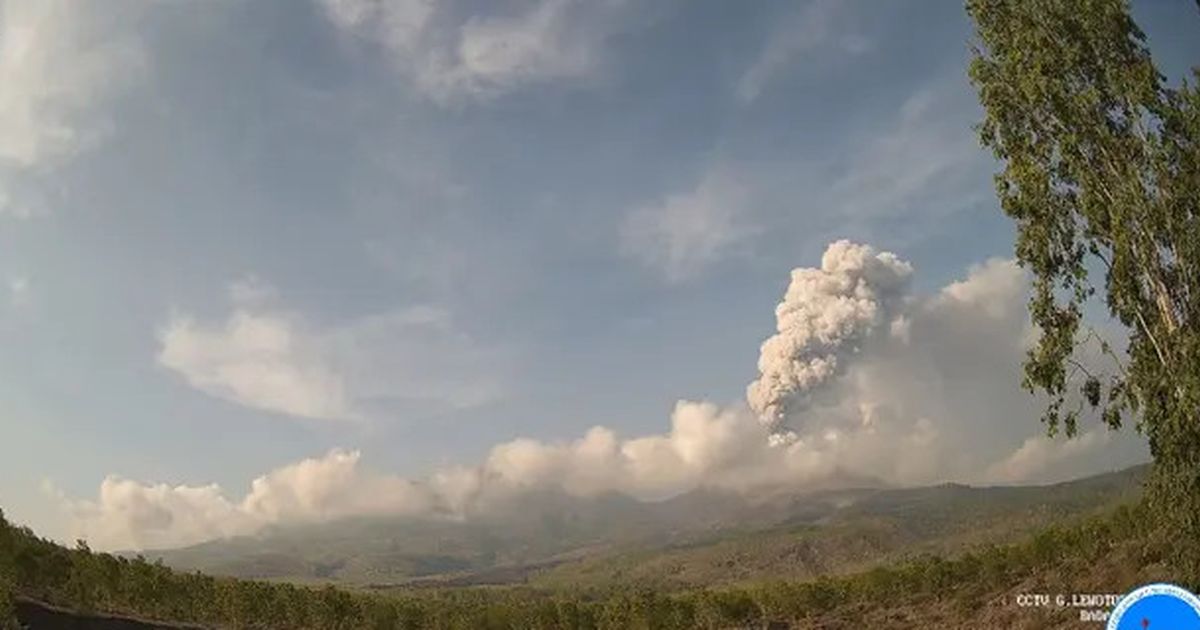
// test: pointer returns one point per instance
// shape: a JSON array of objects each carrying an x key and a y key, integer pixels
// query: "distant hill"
[
  {"x": 864, "y": 528},
  {"x": 700, "y": 538}
]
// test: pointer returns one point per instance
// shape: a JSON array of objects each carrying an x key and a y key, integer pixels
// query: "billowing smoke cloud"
[
  {"x": 824, "y": 318},
  {"x": 131, "y": 515},
  {"x": 864, "y": 380},
  {"x": 706, "y": 446}
]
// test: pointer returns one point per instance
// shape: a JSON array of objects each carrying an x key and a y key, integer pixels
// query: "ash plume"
[{"x": 823, "y": 320}]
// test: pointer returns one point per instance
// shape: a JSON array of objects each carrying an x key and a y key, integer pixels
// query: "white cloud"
[
  {"x": 1040, "y": 454},
  {"x": 58, "y": 61},
  {"x": 926, "y": 390},
  {"x": 686, "y": 232},
  {"x": 523, "y": 48},
  {"x": 904, "y": 173},
  {"x": 449, "y": 55},
  {"x": 258, "y": 360},
  {"x": 329, "y": 488},
  {"x": 706, "y": 445},
  {"x": 398, "y": 25},
  {"x": 269, "y": 359},
  {"x": 995, "y": 287},
  {"x": 817, "y": 26},
  {"x": 132, "y": 515}
]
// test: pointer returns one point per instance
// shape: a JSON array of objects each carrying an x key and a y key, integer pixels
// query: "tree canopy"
[{"x": 1102, "y": 177}]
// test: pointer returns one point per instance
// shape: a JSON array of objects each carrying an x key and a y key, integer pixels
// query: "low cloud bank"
[{"x": 863, "y": 377}]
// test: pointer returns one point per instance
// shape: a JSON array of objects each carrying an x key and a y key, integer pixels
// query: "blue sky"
[{"x": 472, "y": 221}]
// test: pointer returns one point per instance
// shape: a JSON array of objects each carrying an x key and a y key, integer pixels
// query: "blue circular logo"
[{"x": 1156, "y": 607}]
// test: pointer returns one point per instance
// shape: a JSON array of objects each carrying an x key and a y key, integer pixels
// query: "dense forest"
[{"x": 85, "y": 581}]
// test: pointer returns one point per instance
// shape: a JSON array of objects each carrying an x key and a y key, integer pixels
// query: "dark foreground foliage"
[
  {"x": 1101, "y": 176},
  {"x": 85, "y": 581}
]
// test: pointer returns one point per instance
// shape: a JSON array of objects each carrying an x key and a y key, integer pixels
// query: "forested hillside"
[{"x": 1103, "y": 553}]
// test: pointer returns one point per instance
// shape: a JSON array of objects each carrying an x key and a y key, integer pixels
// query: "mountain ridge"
[{"x": 553, "y": 538}]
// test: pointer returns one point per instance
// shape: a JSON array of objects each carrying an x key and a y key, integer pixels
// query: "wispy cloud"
[
  {"x": 921, "y": 162},
  {"x": 449, "y": 55},
  {"x": 58, "y": 61},
  {"x": 925, "y": 157},
  {"x": 683, "y": 233},
  {"x": 819, "y": 26}
]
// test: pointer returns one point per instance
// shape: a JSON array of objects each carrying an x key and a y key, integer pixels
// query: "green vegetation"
[
  {"x": 1102, "y": 177},
  {"x": 87, "y": 581}
]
